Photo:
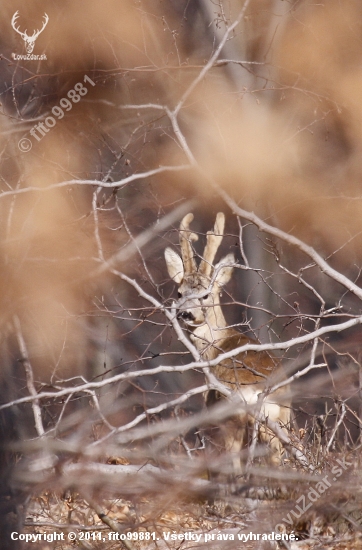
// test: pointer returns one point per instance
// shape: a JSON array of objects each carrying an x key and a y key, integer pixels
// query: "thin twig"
[
  {"x": 141, "y": 240},
  {"x": 29, "y": 377},
  {"x": 98, "y": 183},
  {"x": 110, "y": 522},
  {"x": 340, "y": 420}
]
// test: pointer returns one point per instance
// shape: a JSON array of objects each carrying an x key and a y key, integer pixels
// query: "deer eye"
[
  {"x": 179, "y": 295},
  {"x": 206, "y": 297}
]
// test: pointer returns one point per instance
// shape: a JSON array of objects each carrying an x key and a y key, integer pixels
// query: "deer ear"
[
  {"x": 175, "y": 267},
  {"x": 224, "y": 270}
]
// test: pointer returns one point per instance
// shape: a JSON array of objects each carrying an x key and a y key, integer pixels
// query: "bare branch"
[
  {"x": 98, "y": 183},
  {"x": 290, "y": 239},
  {"x": 29, "y": 377}
]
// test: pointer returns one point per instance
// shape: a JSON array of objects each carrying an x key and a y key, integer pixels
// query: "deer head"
[
  {"x": 29, "y": 40},
  {"x": 199, "y": 287}
]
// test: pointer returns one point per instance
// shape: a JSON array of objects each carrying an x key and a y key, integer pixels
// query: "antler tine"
[
  {"x": 15, "y": 16},
  {"x": 186, "y": 237},
  {"x": 213, "y": 241},
  {"x": 45, "y": 22},
  {"x": 14, "y": 21}
]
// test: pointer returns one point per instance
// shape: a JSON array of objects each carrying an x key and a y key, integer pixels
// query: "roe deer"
[{"x": 199, "y": 307}]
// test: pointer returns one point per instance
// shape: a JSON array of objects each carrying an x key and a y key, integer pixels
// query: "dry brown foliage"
[{"x": 247, "y": 107}]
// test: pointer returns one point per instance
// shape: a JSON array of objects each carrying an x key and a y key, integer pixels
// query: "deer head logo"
[{"x": 29, "y": 40}]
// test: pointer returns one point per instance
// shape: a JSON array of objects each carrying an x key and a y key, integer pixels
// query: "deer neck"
[{"x": 209, "y": 336}]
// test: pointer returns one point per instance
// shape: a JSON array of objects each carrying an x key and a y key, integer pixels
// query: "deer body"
[{"x": 199, "y": 307}]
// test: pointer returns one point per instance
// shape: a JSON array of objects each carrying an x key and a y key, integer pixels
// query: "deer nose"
[{"x": 186, "y": 315}]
